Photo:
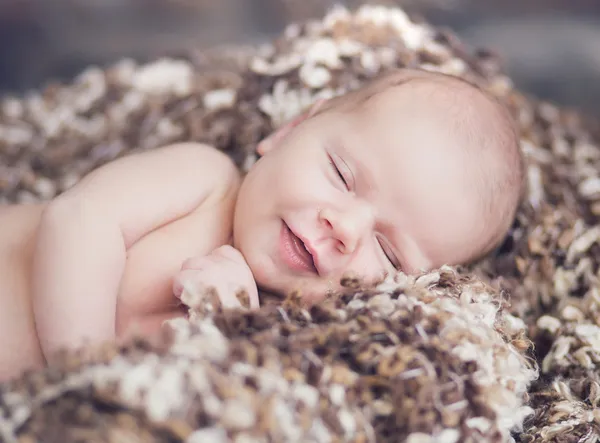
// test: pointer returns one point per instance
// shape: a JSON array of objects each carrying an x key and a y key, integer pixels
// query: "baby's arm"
[{"x": 85, "y": 233}]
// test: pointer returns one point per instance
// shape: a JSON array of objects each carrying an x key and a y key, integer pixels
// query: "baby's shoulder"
[
  {"x": 206, "y": 158},
  {"x": 214, "y": 163},
  {"x": 212, "y": 168}
]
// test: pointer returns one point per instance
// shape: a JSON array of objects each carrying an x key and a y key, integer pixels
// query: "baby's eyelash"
[
  {"x": 338, "y": 172},
  {"x": 343, "y": 171},
  {"x": 390, "y": 257}
]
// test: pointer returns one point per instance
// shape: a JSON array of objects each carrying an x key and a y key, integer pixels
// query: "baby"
[{"x": 412, "y": 171}]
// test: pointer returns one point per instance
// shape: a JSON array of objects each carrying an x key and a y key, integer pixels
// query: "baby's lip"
[{"x": 309, "y": 247}]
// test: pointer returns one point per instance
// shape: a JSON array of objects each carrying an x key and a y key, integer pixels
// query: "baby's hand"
[{"x": 225, "y": 270}]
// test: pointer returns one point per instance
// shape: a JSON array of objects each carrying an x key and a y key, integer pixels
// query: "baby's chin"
[{"x": 273, "y": 279}]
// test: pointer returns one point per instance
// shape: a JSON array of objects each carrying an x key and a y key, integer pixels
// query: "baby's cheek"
[
  {"x": 260, "y": 267},
  {"x": 305, "y": 182},
  {"x": 368, "y": 268}
]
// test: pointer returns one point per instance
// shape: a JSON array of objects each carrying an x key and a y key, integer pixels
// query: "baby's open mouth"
[{"x": 294, "y": 252}]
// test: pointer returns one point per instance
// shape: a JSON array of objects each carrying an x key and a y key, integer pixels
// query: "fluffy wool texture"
[{"x": 442, "y": 357}]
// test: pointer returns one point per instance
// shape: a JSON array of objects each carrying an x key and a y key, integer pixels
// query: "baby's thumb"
[{"x": 253, "y": 300}]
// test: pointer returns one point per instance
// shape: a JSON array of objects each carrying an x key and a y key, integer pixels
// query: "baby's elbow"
[
  {"x": 64, "y": 208},
  {"x": 57, "y": 211},
  {"x": 73, "y": 213}
]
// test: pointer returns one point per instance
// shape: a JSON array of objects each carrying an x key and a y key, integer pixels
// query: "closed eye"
[
  {"x": 389, "y": 255},
  {"x": 341, "y": 170}
]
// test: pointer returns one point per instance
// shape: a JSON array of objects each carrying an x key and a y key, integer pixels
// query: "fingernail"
[{"x": 177, "y": 289}]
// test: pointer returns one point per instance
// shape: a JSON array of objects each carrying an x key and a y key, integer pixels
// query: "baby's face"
[{"x": 361, "y": 192}]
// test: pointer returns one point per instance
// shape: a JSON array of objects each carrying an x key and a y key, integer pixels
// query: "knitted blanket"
[{"x": 505, "y": 350}]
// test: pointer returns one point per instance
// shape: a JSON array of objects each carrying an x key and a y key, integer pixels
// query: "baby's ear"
[{"x": 273, "y": 140}]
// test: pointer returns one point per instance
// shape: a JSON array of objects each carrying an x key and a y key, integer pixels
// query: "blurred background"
[{"x": 550, "y": 47}]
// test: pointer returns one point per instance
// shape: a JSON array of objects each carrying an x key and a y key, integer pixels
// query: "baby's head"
[{"x": 413, "y": 171}]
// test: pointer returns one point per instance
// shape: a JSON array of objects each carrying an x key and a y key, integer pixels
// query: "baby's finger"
[
  {"x": 254, "y": 301},
  {"x": 229, "y": 252},
  {"x": 190, "y": 282},
  {"x": 248, "y": 298},
  {"x": 177, "y": 287},
  {"x": 196, "y": 263},
  {"x": 184, "y": 280},
  {"x": 228, "y": 299}
]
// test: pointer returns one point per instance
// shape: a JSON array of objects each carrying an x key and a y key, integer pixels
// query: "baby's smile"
[
  {"x": 295, "y": 253},
  {"x": 361, "y": 181}
]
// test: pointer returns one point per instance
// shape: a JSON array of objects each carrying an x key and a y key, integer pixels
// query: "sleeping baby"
[{"x": 413, "y": 171}]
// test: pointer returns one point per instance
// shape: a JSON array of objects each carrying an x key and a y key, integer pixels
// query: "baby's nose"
[{"x": 348, "y": 226}]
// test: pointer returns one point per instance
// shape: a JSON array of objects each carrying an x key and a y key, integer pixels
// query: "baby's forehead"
[
  {"x": 420, "y": 93},
  {"x": 408, "y": 109},
  {"x": 415, "y": 124},
  {"x": 449, "y": 106},
  {"x": 407, "y": 93}
]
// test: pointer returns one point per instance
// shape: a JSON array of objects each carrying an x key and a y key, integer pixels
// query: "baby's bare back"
[{"x": 145, "y": 297}]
